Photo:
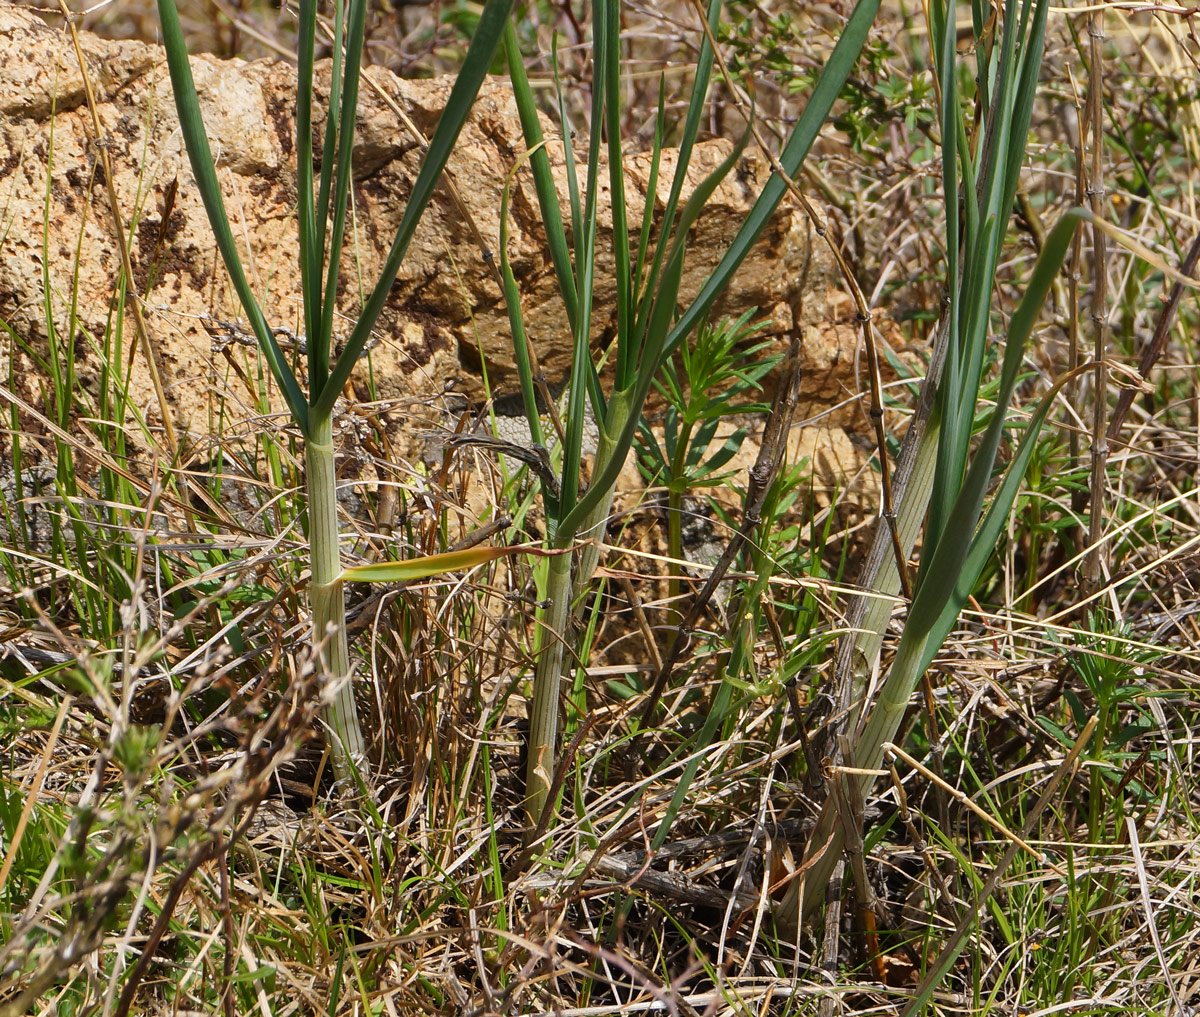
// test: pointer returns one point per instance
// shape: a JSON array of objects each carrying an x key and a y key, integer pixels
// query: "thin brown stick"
[
  {"x": 829, "y": 945},
  {"x": 643, "y": 623},
  {"x": 1090, "y": 578}
]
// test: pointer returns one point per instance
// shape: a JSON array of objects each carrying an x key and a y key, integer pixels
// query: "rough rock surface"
[{"x": 445, "y": 315}]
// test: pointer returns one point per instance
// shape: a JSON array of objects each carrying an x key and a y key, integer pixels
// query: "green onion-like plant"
[
  {"x": 322, "y": 210},
  {"x": 946, "y": 471},
  {"x": 649, "y": 325}
]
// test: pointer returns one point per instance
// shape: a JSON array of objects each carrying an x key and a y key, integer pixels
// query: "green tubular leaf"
[
  {"x": 961, "y": 552},
  {"x": 1002, "y": 152},
  {"x": 483, "y": 47},
  {"x": 939, "y": 502},
  {"x": 516, "y": 320},
  {"x": 1031, "y": 64},
  {"x": 841, "y": 61},
  {"x": 668, "y": 289},
  {"x": 333, "y": 118},
  {"x": 543, "y": 179},
  {"x": 341, "y": 194},
  {"x": 311, "y": 255},
  {"x": 653, "y": 354},
  {"x": 626, "y": 342},
  {"x": 647, "y": 226},
  {"x": 687, "y": 143},
  {"x": 568, "y": 140},
  {"x": 585, "y": 266},
  {"x": 191, "y": 125},
  {"x": 435, "y": 564},
  {"x": 934, "y": 596},
  {"x": 837, "y": 69},
  {"x": 967, "y": 562}
]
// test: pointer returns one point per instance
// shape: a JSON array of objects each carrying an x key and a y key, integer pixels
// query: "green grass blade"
[
  {"x": 195, "y": 138},
  {"x": 484, "y": 44}
]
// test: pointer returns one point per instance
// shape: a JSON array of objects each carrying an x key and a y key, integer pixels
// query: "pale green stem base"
[
  {"x": 346, "y": 742},
  {"x": 563, "y": 596},
  {"x": 543, "y": 711}
]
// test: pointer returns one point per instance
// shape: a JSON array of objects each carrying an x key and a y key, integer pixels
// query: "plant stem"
[
  {"x": 675, "y": 514},
  {"x": 328, "y": 604},
  {"x": 563, "y": 595},
  {"x": 543, "y": 711},
  {"x": 1091, "y": 577}
]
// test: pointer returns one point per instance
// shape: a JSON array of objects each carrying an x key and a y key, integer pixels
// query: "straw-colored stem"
[
  {"x": 328, "y": 605},
  {"x": 914, "y": 486},
  {"x": 871, "y": 620}
]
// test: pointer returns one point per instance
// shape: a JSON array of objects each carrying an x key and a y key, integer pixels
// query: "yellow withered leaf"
[{"x": 435, "y": 564}]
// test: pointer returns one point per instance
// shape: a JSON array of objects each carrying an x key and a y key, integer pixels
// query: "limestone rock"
[{"x": 445, "y": 316}]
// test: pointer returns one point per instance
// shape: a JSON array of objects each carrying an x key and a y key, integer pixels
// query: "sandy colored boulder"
[{"x": 445, "y": 318}]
